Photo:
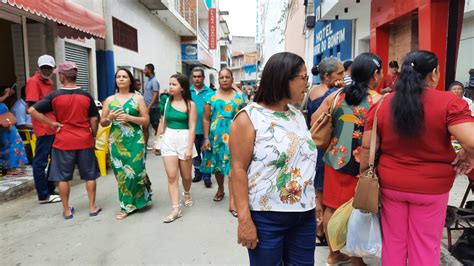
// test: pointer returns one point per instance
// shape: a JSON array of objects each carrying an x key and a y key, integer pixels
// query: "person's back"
[
  {"x": 423, "y": 160},
  {"x": 73, "y": 109}
]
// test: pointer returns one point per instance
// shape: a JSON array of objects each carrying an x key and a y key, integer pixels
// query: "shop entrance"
[{"x": 403, "y": 37}]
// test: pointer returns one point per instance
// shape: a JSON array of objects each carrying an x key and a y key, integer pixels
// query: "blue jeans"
[
  {"x": 44, "y": 188},
  {"x": 284, "y": 238},
  {"x": 198, "y": 159}
]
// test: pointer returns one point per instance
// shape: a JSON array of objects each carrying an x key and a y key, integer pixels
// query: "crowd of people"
[{"x": 283, "y": 189}]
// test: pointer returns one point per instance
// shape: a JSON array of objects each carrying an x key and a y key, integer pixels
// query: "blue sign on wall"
[
  {"x": 331, "y": 38},
  {"x": 189, "y": 52}
]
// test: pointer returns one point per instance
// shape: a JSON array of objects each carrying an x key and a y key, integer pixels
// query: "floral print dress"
[
  {"x": 12, "y": 151},
  {"x": 127, "y": 156},
  {"x": 283, "y": 166},
  {"x": 222, "y": 114}
]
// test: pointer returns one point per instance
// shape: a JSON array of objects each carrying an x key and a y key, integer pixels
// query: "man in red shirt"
[
  {"x": 388, "y": 82},
  {"x": 77, "y": 119},
  {"x": 38, "y": 87}
]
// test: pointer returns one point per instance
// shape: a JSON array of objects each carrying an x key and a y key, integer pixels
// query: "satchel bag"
[
  {"x": 367, "y": 192},
  {"x": 7, "y": 120},
  {"x": 161, "y": 129},
  {"x": 321, "y": 130}
]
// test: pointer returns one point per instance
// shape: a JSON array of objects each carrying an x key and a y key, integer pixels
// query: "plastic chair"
[
  {"x": 102, "y": 149},
  {"x": 30, "y": 139}
]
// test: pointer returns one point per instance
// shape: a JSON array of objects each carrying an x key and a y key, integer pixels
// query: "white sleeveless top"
[{"x": 283, "y": 166}]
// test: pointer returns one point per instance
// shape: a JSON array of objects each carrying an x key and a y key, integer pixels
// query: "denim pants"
[
  {"x": 198, "y": 141},
  {"x": 284, "y": 238},
  {"x": 44, "y": 188}
]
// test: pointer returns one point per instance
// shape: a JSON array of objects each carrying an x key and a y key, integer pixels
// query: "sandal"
[
  {"x": 70, "y": 216},
  {"x": 175, "y": 214},
  {"x": 219, "y": 196},
  {"x": 321, "y": 241},
  {"x": 188, "y": 200},
  {"x": 121, "y": 215},
  {"x": 234, "y": 213}
]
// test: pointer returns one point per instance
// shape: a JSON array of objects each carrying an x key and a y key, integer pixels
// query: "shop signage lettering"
[
  {"x": 212, "y": 29},
  {"x": 326, "y": 38}
]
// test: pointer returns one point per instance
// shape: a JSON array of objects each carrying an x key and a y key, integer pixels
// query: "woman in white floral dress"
[{"x": 273, "y": 161}]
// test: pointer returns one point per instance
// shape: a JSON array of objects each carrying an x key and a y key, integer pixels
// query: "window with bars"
[{"x": 125, "y": 35}]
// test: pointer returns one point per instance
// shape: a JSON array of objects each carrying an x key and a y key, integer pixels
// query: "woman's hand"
[
  {"x": 206, "y": 145},
  {"x": 188, "y": 155},
  {"x": 462, "y": 163},
  {"x": 114, "y": 114},
  {"x": 122, "y": 118},
  {"x": 339, "y": 84},
  {"x": 247, "y": 233}
]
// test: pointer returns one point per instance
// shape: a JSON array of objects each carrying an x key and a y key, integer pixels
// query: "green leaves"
[{"x": 282, "y": 179}]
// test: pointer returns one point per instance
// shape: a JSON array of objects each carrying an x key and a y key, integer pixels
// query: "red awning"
[{"x": 64, "y": 12}]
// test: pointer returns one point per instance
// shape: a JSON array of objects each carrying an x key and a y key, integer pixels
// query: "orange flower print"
[
  {"x": 342, "y": 150},
  {"x": 213, "y": 98},
  {"x": 216, "y": 138},
  {"x": 238, "y": 101},
  {"x": 291, "y": 193},
  {"x": 341, "y": 161},
  {"x": 228, "y": 108},
  {"x": 225, "y": 138},
  {"x": 226, "y": 157},
  {"x": 296, "y": 172},
  {"x": 273, "y": 124},
  {"x": 208, "y": 163},
  {"x": 356, "y": 154},
  {"x": 357, "y": 134},
  {"x": 333, "y": 141},
  {"x": 360, "y": 111},
  {"x": 360, "y": 122}
]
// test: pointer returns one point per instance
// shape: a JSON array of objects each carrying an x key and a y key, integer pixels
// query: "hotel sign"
[{"x": 212, "y": 29}]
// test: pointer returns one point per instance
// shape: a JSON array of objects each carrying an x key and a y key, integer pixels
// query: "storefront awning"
[{"x": 66, "y": 13}]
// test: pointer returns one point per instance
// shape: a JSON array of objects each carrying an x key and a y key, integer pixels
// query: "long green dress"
[
  {"x": 127, "y": 156},
  {"x": 222, "y": 114}
]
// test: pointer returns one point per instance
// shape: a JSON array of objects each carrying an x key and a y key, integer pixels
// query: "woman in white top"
[{"x": 273, "y": 160}]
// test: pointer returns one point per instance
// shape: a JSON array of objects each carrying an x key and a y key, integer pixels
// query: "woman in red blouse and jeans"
[{"x": 416, "y": 160}]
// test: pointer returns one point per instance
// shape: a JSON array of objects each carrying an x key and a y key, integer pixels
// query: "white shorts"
[{"x": 175, "y": 143}]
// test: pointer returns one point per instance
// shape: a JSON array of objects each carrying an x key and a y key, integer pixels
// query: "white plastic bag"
[{"x": 364, "y": 238}]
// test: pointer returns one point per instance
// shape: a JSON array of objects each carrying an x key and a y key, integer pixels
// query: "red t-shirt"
[
  {"x": 420, "y": 164},
  {"x": 387, "y": 82},
  {"x": 73, "y": 109},
  {"x": 36, "y": 89}
]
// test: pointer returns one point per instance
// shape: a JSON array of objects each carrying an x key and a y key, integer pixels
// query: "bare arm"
[
  {"x": 105, "y": 119},
  {"x": 42, "y": 118},
  {"x": 364, "y": 153},
  {"x": 94, "y": 125},
  {"x": 241, "y": 144},
  {"x": 154, "y": 99},
  {"x": 463, "y": 133},
  {"x": 206, "y": 122},
  {"x": 192, "y": 126}
]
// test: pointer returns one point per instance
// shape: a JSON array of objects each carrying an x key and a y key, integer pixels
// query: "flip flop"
[
  {"x": 322, "y": 241},
  {"x": 68, "y": 217},
  {"x": 219, "y": 196},
  {"x": 97, "y": 211},
  {"x": 234, "y": 213}
]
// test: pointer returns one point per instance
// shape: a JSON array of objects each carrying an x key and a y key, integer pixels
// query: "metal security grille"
[{"x": 80, "y": 56}]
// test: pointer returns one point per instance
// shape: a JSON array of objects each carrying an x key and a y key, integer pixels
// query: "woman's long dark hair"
[
  {"x": 184, "y": 83},
  {"x": 363, "y": 68},
  {"x": 130, "y": 76},
  {"x": 407, "y": 107}
]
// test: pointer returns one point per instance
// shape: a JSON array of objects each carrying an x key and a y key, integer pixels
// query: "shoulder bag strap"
[
  {"x": 373, "y": 136},
  {"x": 334, "y": 101}
]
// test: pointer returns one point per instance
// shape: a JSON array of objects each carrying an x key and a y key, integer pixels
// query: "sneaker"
[
  {"x": 51, "y": 199},
  {"x": 197, "y": 179}
]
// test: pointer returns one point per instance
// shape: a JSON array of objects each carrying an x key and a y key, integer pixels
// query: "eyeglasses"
[{"x": 303, "y": 77}]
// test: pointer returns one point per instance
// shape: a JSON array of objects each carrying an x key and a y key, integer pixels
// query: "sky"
[{"x": 242, "y": 16}]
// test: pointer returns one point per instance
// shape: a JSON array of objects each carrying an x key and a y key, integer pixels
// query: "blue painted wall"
[
  {"x": 105, "y": 74},
  {"x": 331, "y": 38}
]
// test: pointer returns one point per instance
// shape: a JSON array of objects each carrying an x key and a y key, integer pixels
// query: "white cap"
[{"x": 46, "y": 60}]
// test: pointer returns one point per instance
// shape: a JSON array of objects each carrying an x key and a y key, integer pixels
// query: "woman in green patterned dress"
[
  {"x": 127, "y": 112},
  {"x": 219, "y": 111}
]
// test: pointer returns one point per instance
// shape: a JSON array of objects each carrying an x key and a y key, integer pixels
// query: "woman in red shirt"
[
  {"x": 415, "y": 160},
  {"x": 388, "y": 82}
]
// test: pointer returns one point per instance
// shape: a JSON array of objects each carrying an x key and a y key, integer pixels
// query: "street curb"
[{"x": 17, "y": 191}]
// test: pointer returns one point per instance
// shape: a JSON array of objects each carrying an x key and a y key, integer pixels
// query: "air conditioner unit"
[{"x": 310, "y": 21}]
